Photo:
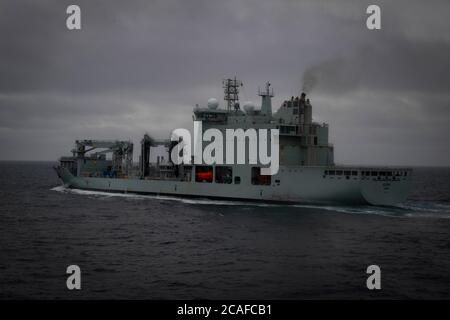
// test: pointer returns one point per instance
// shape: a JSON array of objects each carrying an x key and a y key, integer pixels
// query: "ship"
[{"x": 306, "y": 174}]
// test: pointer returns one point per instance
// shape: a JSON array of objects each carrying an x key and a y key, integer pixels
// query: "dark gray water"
[{"x": 144, "y": 247}]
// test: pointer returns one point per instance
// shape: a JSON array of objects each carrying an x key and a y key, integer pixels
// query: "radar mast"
[{"x": 231, "y": 92}]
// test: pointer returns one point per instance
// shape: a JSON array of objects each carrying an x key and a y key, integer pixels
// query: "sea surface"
[{"x": 148, "y": 247}]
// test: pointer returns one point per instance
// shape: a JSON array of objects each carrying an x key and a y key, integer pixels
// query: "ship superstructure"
[{"x": 307, "y": 172}]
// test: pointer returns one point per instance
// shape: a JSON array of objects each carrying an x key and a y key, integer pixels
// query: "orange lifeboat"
[{"x": 206, "y": 176}]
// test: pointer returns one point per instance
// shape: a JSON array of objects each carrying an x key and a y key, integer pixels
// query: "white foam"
[
  {"x": 59, "y": 188},
  {"x": 357, "y": 209},
  {"x": 159, "y": 197},
  {"x": 427, "y": 207}
]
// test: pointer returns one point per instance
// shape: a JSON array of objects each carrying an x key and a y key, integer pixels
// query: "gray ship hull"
[{"x": 291, "y": 184}]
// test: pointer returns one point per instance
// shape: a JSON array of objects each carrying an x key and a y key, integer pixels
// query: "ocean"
[{"x": 149, "y": 247}]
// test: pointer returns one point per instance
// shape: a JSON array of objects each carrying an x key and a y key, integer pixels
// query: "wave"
[
  {"x": 355, "y": 209},
  {"x": 409, "y": 209}
]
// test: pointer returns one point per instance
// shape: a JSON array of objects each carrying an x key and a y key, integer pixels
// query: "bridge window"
[{"x": 224, "y": 174}]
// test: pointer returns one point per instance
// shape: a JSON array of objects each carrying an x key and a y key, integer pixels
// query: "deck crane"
[{"x": 122, "y": 152}]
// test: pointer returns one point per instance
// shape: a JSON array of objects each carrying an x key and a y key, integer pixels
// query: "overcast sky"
[{"x": 141, "y": 66}]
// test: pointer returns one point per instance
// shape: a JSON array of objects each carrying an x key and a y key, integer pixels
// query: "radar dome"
[
  {"x": 213, "y": 104},
  {"x": 249, "y": 106}
]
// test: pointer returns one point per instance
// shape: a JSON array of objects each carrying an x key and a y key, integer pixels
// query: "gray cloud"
[{"x": 140, "y": 66}]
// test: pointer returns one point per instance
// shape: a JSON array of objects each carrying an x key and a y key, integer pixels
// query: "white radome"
[
  {"x": 213, "y": 104},
  {"x": 249, "y": 106}
]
